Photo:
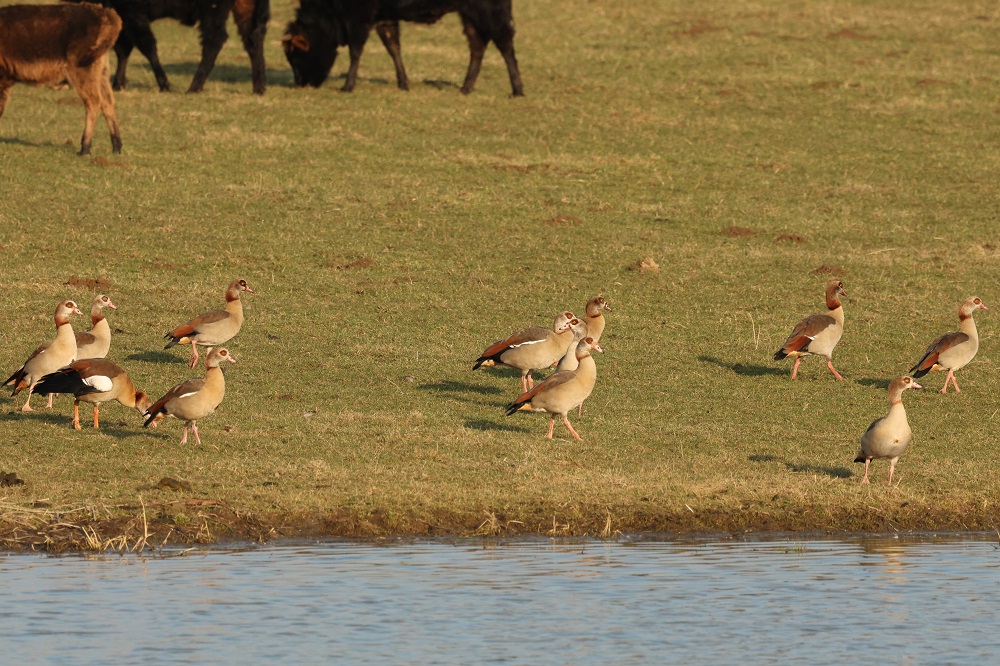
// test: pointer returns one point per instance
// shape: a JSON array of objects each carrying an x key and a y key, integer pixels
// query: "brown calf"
[{"x": 52, "y": 43}]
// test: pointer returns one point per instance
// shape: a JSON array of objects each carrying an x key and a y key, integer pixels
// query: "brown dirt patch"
[
  {"x": 90, "y": 283},
  {"x": 647, "y": 265},
  {"x": 364, "y": 262},
  {"x": 790, "y": 238},
  {"x": 562, "y": 221},
  {"x": 829, "y": 269},
  {"x": 737, "y": 232},
  {"x": 826, "y": 85},
  {"x": 699, "y": 27},
  {"x": 848, "y": 33},
  {"x": 10, "y": 479}
]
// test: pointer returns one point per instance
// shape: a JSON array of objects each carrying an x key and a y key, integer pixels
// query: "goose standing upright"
[
  {"x": 214, "y": 328},
  {"x": 195, "y": 398},
  {"x": 532, "y": 348},
  {"x": 569, "y": 360},
  {"x": 93, "y": 380},
  {"x": 562, "y": 391},
  {"x": 888, "y": 436},
  {"x": 819, "y": 333},
  {"x": 96, "y": 343},
  {"x": 595, "y": 317},
  {"x": 953, "y": 351},
  {"x": 48, "y": 357}
]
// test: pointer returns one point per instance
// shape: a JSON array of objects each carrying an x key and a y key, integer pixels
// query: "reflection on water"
[{"x": 865, "y": 600}]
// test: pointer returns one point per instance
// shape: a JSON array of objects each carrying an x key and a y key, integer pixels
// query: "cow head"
[{"x": 309, "y": 54}]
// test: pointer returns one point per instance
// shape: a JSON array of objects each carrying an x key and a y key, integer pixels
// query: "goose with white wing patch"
[
  {"x": 94, "y": 380},
  {"x": 533, "y": 348}
]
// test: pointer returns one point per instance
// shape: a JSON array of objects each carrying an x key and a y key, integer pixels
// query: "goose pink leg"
[
  {"x": 795, "y": 368},
  {"x": 566, "y": 421},
  {"x": 836, "y": 374},
  {"x": 950, "y": 377}
]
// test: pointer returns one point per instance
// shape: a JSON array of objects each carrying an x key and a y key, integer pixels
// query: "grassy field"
[{"x": 752, "y": 150}]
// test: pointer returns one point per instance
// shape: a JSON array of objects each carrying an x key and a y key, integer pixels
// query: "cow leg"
[
  {"x": 355, "y": 49},
  {"x": 84, "y": 80},
  {"x": 252, "y": 28},
  {"x": 142, "y": 36},
  {"x": 477, "y": 47},
  {"x": 108, "y": 107},
  {"x": 123, "y": 49},
  {"x": 506, "y": 46},
  {"x": 213, "y": 36},
  {"x": 5, "y": 87},
  {"x": 389, "y": 34}
]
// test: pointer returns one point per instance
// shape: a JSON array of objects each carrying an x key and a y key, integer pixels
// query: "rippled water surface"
[{"x": 865, "y": 600}]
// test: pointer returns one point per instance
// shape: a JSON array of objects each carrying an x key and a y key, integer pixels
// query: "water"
[{"x": 858, "y": 601}]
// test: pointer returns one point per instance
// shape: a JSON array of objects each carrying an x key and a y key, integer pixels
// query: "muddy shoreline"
[{"x": 150, "y": 527}]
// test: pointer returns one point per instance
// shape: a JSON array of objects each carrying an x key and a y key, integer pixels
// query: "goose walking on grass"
[
  {"x": 953, "y": 351},
  {"x": 195, "y": 398},
  {"x": 94, "y": 380},
  {"x": 888, "y": 436},
  {"x": 214, "y": 328},
  {"x": 562, "y": 391},
  {"x": 48, "y": 357},
  {"x": 533, "y": 348},
  {"x": 817, "y": 334}
]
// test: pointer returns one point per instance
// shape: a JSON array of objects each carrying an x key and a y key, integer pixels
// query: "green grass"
[{"x": 866, "y": 131}]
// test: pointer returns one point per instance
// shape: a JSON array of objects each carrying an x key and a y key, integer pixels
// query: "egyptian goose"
[
  {"x": 579, "y": 330},
  {"x": 953, "y": 351},
  {"x": 569, "y": 360},
  {"x": 595, "y": 317},
  {"x": 819, "y": 333},
  {"x": 96, "y": 342},
  {"x": 49, "y": 357},
  {"x": 888, "y": 436},
  {"x": 562, "y": 391},
  {"x": 214, "y": 328},
  {"x": 93, "y": 380},
  {"x": 530, "y": 349},
  {"x": 195, "y": 398}
]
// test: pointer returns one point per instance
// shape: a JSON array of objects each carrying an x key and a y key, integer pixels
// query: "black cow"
[
  {"x": 54, "y": 43},
  {"x": 210, "y": 16},
  {"x": 321, "y": 26}
]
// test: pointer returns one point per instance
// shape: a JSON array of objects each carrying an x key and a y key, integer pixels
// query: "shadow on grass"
[
  {"x": 156, "y": 357},
  {"x": 52, "y": 416},
  {"x": 874, "y": 383},
  {"x": 835, "y": 472},
  {"x": 744, "y": 369},
  {"x": 14, "y": 141},
  {"x": 459, "y": 387},
  {"x": 484, "y": 425},
  {"x": 438, "y": 84},
  {"x": 181, "y": 74}
]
